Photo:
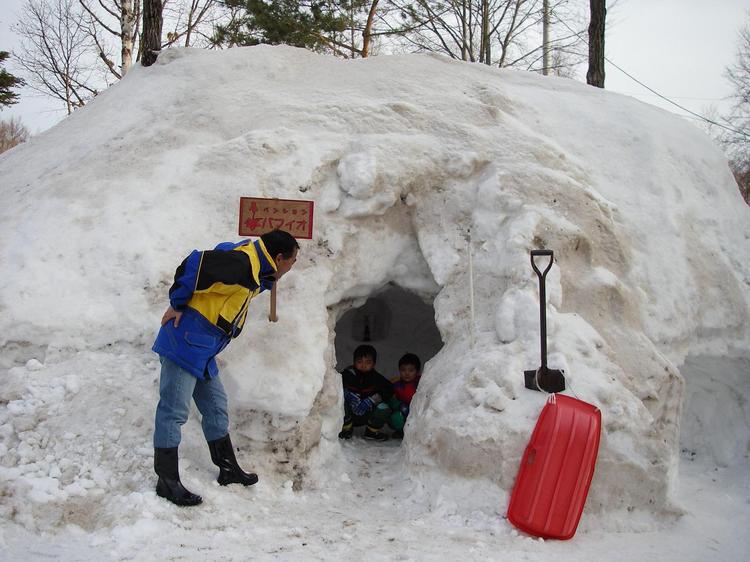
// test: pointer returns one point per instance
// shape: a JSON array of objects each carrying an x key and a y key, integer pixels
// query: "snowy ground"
[
  {"x": 366, "y": 509},
  {"x": 370, "y": 516},
  {"x": 413, "y": 162}
]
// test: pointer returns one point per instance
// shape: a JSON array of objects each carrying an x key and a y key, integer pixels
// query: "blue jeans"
[{"x": 176, "y": 387}]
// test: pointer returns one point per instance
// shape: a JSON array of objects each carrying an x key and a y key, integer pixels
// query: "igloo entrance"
[{"x": 394, "y": 321}]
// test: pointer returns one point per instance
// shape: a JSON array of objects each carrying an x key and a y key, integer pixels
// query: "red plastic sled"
[{"x": 556, "y": 469}]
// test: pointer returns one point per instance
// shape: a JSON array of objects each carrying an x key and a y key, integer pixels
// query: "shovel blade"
[{"x": 549, "y": 380}]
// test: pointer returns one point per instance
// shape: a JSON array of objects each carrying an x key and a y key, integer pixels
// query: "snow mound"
[{"x": 413, "y": 162}]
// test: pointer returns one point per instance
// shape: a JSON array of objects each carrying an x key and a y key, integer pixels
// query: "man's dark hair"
[
  {"x": 365, "y": 350},
  {"x": 410, "y": 359},
  {"x": 279, "y": 242}
]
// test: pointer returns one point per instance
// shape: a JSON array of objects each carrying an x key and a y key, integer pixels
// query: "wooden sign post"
[
  {"x": 272, "y": 312},
  {"x": 260, "y": 215}
]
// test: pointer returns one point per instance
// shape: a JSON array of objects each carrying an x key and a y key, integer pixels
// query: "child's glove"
[
  {"x": 404, "y": 409},
  {"x": 351, "y": 399},
  {"x": 366, "y": 405}
]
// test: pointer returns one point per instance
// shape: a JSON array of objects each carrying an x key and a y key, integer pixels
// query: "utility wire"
[
  {"x": 698, "y": 115},
  {"x": 677, "y": 97}
]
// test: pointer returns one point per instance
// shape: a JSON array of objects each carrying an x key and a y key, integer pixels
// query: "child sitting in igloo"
[
  {"x": 409, "y": 369},
  {"x": 366, "y": 396}
]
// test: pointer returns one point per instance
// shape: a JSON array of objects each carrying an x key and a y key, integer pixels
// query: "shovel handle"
[
  {"x": 542, "y": 301},
  {"x": 535, "y": 253}
]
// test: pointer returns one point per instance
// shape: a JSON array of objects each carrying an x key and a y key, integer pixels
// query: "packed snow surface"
[{"x": 431, "y": 175}]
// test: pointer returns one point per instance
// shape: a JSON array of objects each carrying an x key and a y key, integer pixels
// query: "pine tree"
[
  {"x": 7, "y": 82},
  {"x": 307, "y": 24}
]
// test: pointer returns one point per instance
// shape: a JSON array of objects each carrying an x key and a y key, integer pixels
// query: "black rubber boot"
[
  {"x": 169, "y": 487},
  {"x": 372, "y": 434},
  {"x": 222, "y": 455},
  {"x": 347, "y": 430}
]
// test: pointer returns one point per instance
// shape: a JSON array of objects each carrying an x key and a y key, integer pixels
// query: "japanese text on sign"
[{"x": 258, "y": 216}]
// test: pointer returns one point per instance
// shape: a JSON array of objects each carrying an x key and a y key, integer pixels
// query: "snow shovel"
[{"x": 543, "y": 378}]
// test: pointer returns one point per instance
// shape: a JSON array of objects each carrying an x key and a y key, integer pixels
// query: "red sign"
[{"x": 258, "y": 216}]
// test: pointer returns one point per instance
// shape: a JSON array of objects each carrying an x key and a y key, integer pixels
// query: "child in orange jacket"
[{"x": 409, "y": 368}]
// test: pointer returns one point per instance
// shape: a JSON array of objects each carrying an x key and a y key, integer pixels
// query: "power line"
[
  {"x": 674, "y": 103},
  {"x": 634, "y": 79},
  {"x": 677, "y": 97}
]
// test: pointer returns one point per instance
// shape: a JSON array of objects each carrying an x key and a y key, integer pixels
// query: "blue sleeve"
[
  {"x": 184, "y": 281},
  {"x": 226, "y": 246}
]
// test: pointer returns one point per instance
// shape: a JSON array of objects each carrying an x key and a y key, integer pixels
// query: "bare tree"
[
  {"x": 736, "y": 133},
  {"x": 12, "y": 133},
  {"x": 739, "y": 76},
  {"x": 118, "y": 20},
  {"x": 367, "y": 25},
  {"x": 493, "y": 32},
  {"x": 56, "y": 51},
  {"x": 116, "y": 25},
  {"x": 190, "y": 22},
  {"x": 64, "y": 42},
  {"x": 369, "y": 21}
]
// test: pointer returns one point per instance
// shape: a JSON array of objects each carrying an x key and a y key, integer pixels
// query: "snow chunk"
[
  {"x": 34, "y": 365},
  {"x": 357, "y": 173}
]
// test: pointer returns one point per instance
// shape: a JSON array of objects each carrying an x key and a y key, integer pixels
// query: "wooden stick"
[{"x": 272, "y": 313}]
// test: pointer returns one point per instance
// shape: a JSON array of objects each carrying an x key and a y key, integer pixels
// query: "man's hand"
[{"x": 170, "y": 314}]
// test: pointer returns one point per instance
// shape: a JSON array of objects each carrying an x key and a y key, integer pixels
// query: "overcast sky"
[{"x": 680, "y": 48}]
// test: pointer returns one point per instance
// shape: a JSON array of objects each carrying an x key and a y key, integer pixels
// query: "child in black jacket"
[{"x": 366, "y": 393}]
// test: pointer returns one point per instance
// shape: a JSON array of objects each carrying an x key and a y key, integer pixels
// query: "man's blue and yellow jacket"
[{"x": 213, "y": 289}]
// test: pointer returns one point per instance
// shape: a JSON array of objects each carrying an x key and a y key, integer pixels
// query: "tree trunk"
[
  {"x": 486, "y": 32},
  {"x": 190, "y": 24},
  {"x": 595, "y": 74},
  {"x": 151, "y": 37},
  {"x": 367, "y": 31},
  {"x": 545, "y": 37},
  {"x": 471, "y": 33},
  {"x": 68, "y": 96},
  {"x": 127, "y": 23},
  {"x": 464, "y": 32}
]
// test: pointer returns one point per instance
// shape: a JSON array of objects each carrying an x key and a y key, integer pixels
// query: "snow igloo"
[{"x": 432, "y": 180}]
